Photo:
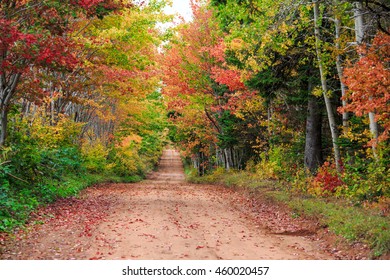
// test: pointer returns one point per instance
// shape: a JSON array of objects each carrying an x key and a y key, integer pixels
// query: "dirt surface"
[{"x": 161, "y": 218}]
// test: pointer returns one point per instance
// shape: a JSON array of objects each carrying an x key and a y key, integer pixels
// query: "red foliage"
[
  {"x": 87, "y": 4},
  {"x": 19, "y": 50},
  {"x": 14, "y": 45},
  {"x": 57, "y": 52},
  {"x": 220, "y": 72},
  {"x": 117, "y": 74},
  {"x": 228, "y": 77},
  {"x": 218, "y": 51},
  {"x": 369, "y": 83},
  {"x": 327, "y": 178},
  {"x": 200, "y": 55}
]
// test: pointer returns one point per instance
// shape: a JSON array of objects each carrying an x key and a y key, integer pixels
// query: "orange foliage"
[{"x": 369, "y": 83}]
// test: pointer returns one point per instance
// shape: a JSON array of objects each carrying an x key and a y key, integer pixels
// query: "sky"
[{"x": 181, "y": 7}]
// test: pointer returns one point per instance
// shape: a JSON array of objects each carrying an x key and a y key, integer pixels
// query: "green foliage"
[
  {"x": 95, "y": 156},
  {"x": 360, "y": 181},
  {"x": 280, "y": 162},
  {"x": 35, "y": 170},
  {"x": 367, "y": 180},
  {"x": 31, "y": 175},
  {"x": 127, "y": 161},
  {"x": 63, "y": 160},
  {"x": 230, "y": 134}
]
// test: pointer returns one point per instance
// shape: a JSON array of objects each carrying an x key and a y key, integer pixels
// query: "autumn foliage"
[
  {"x": 244, "y": 90},
  {"x": 368, "y": 81},
  {"x": 78, "y": 78},
  {"x": 93, "y": 88}
]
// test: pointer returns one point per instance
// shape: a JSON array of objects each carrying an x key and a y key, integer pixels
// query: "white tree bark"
[
  {"x": 329, "y": 110},
  {"x": 359, "y": 25},
  {"x": 340, "y": 71},
  {"x": 359, "y": 34}
]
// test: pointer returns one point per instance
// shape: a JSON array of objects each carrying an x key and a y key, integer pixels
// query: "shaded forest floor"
[{"x": 166, "y": 218}]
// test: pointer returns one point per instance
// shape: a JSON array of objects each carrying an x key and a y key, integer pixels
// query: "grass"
[{"x": 353, "y": 223}]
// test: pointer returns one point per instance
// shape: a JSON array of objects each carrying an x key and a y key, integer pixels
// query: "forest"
[{"x": 291, "y": 95}]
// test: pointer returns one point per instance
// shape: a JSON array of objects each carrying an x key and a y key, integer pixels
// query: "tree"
[
  {"x": 198, "y": 78},
  {"x": 329, "y": 110},
  {"x": 33, "y": 35},
  {"x": 187, "y": 67},
  {"x": 270, "y": 42},
  {"x": 368, "y": 81}
]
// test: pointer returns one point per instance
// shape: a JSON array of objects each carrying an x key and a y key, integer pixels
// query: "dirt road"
[{"x": 161, "y": 218}]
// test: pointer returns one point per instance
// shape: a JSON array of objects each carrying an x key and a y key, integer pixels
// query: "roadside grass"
[{"x": 352, "y": 222}]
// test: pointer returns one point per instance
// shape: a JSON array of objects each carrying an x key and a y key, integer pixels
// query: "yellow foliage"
[
  {"x": 265, "y": 169},
  {"x": 301, "y": 181},
  {"x": 63, "y": 132},
  {"x": 317, "y": 91},
  {"x": 95, "y": 154},
  {"x": 252, "y": 63},
  {"x": 236, "y": 44},
  {"x": 133, "y": 138},
  {"x": 127, "y": 161},
  {"x": 284, "y": 28}
]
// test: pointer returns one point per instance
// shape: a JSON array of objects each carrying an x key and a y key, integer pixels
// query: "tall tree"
[
  {"x": 368, "y": 83},
  {"x": 197, "y": 78},
  {"x": 33, "y": 35},
  {"x": 329, "y": 109},
  {"x": 360, "y": 34}
]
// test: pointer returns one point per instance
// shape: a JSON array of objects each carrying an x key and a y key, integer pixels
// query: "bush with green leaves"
[
  {"x": 94, "y": 154},
  {"x": 367, "y": 180}
]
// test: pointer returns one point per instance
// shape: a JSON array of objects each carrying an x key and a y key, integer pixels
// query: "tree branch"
[{"x": 213, "y": 121}]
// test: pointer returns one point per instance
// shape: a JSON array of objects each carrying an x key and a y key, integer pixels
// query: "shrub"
[
  {"x": 127, "y": 161},
  {"x": 266, "y": 169},
  {"x": 327, "y": 181},
  {"x": 367, "y": 180},
  {"x": 94, "y": 155}
]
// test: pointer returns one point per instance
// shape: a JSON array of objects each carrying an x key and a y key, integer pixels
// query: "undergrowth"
[{"x": 43, "y": 162}]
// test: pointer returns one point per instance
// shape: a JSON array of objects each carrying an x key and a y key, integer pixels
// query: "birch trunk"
[
  {"x": 227, "y": 164},
  {"x": 329, "y": 110},
  {"x": 340, "y": 73},
  {"x": 359, "y": 35}
]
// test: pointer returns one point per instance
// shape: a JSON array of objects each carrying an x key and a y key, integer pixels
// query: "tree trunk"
[
  {"x": 359, "y": 24},
  {"x": 313, "y": 145},
  {"x": 231, "y": 159},
  {"x": 227, "y": 163},
  {"x": 328, "y": 104},
  {"x": 340, "y": 73},
  {"x": 359, "y": 35},
  {"x": 4, "y": 125},
  {"x": 374, "y": 132},
  {"x": 7, "y": 92}
]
